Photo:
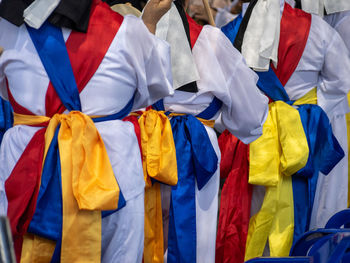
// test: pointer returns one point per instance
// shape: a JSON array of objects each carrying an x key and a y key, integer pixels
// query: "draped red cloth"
[
  {"x": 22, "y": 186},
  {"x": 195, "y": 30},
  {"x": 235, "y": 200},
  {"x": 237, "y": 193},
  {"x": 294, "y": 32}
]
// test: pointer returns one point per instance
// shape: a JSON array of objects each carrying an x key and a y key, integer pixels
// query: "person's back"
[{"x": 118, "y": 65}]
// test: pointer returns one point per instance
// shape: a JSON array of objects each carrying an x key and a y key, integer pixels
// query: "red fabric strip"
[
  {"x": 195, "y": 30},
  {"x": 235, "y": 201},
  {"x": 84, "y": 54},
  {"x": 295, "y": 28},
  {"x": 22, "y": 188},
  {"x": 135, "y": 122}
]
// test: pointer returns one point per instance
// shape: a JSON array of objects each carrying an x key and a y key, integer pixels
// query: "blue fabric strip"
[
  {"x": 207, "y": 114},
  {"x": 211, "y": 110},
  {"x": 196, "y": 156},
  {"x": 6, "y": 117},
  {"x": 324, "y": 154},
  {"x": 231, "y": 29},
  {"x": 49, "y": 43}
]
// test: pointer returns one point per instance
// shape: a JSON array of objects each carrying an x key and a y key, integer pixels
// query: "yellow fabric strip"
[
  {"x": 159, "y": 162},
  {"x": 287, "y": 152},
  {"x": 308, "y": 98},
  {"x": 88, "y": 183},
  {"x": 36, "y": 249}
]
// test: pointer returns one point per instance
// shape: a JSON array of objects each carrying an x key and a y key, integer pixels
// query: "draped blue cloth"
[
  {"x": 197, "y": 162},
  {"x": 324, "y": 149},
  {"x": 6, "y": 117},
  {"x": 47, "y": 219}
]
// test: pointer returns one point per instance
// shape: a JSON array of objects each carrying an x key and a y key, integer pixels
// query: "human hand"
[{"x": 153, "y": 12}]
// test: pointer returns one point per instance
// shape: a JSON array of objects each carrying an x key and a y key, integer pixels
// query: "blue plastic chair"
[
  {"x": 340, "y": 219},
  {"x": 331, "y": 248},
  {"x": 281, "y": 260}
]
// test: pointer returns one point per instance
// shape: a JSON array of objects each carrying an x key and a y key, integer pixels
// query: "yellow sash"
[
  {"x": 281, "y": 151},
  {"x": 159, "y": 162},
  {"x": 88, "y": 186}
]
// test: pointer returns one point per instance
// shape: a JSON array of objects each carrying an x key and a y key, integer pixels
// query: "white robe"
[
  {"x": 224, "y": 74},
  {"x": 136, "y": 61}
]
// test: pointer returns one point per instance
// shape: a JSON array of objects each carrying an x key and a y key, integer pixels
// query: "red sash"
[
  {"x": 295, "y": 28},
  {"x": 23, "y": 184},
  {"x": 235, "y": 201}
]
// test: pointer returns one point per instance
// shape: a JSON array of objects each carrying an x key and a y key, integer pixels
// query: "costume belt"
[{"x": 76, "y": 184}]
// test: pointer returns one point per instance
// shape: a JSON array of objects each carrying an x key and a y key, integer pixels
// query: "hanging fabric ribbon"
[
  {"x": 281, "y": 151},
  {"x": 234, "y": 212},
  {"x": 159, "y": 165},
  {"x": 198, "y": 164}
]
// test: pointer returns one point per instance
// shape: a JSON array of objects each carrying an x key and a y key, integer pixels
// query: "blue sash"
[
  {"x": 47, "y": 219},
  {"x": 6, "y": 117},
  {"x": 197, "y": 162},
  {"x": 324, "y": 149}
]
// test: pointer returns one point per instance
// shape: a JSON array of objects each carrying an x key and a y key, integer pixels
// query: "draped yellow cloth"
[
  {"x": 281, "y": 151},
  {"x": 159, "y": 162},
  {"x": 88, "y": 186}
]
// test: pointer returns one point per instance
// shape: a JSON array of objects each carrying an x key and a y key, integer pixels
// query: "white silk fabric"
[
  {"x": 331, "y": 6},
  {"x": 261, "y": 39},
  {"x": 38, "y": 11}
]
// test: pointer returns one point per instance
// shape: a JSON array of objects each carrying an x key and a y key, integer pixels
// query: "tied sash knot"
[{"x": 197, "y": 156}]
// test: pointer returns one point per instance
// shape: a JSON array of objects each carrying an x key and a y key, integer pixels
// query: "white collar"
[
  {"x": 261, "y": 38},
  {"x": 170, "y": 28},
  {"x": 38, "y": 11},
  {"x": 331, "y": 6}
]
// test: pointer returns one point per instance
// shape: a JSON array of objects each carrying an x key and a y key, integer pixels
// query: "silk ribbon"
[
  {"x": 159, "y": 165},
  {"x": 88, "y": 184}
]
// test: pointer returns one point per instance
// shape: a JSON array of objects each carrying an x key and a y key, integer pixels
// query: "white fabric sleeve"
[
  {"x": 335, "y": 77},
  {"x": 150, "y": 57},
  {"x": 244, "y": 108},
  {"x": 8, "y": 38}
]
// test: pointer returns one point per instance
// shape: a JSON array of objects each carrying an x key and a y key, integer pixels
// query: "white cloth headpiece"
[
  {"x": 261, "y": 39},
  {"x": 170, "y": 28},
  {"x": 331, "y": 6},
  {"x": 37, "y": 13}
]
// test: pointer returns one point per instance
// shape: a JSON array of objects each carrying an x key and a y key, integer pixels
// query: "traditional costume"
[
  {"x": 339, "y": 22},
  {"x": 210, "y": 77},
  {"x": 298, "y": 76},
  {"x": 61, "y": 82}
]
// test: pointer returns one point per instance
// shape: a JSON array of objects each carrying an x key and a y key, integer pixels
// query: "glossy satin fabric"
[
  {"x": 198, "y": 163},
  {"x": 6, "y": 117},
  {"x": 281, "y": 151},
  {"x": 235, "y": 200},
  {"x": 159, "y": 165}
]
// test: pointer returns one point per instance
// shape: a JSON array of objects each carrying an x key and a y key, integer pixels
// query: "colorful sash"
[
  {"x": 198, "y": 160},
  {"x": 159, "y": 166},
  {"x": 68, "y": 95}
]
